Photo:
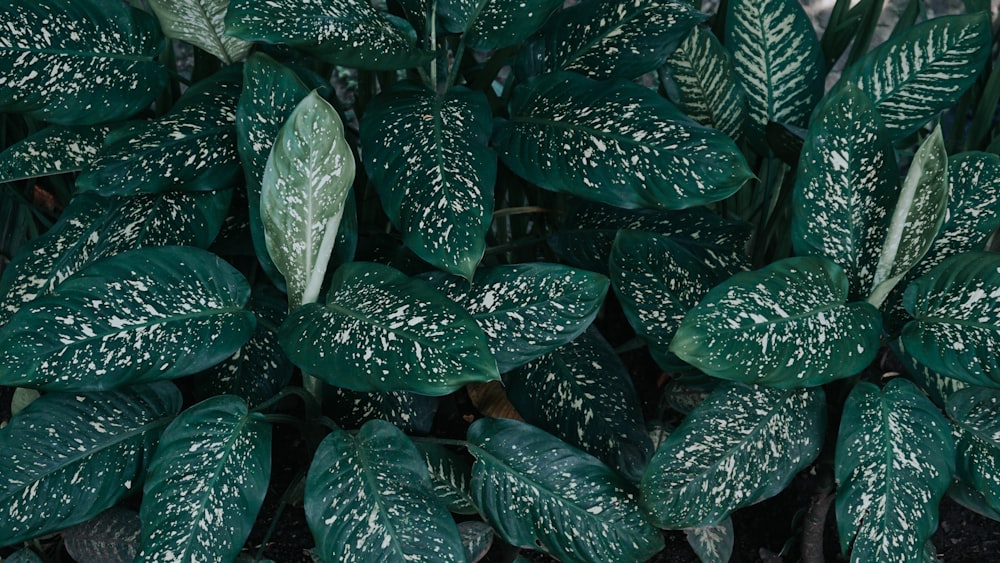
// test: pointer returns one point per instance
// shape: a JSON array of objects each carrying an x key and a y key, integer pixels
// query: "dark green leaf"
[
  {"x": 713, "y": 544},
  {"x": 110, "y": 537},
  {"x": 967, "y": 496},
  {"x": 202, "y": 24},
  {"x": 977, "y": 440},
  {"x": 477, "y": 537},
  {"x": 685, "y": 392},
  {"x": 450, "y": 475},
  {"x": 938, "y": 387},
  {"x": 492, "y": 24},
  {"x": 23, "y": 556},
  {"x": 53, "y": 150},
  {"x": 411, "y": 413}
]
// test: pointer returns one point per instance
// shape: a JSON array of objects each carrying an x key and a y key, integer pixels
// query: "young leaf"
[
  {"x": 569, "y": 504},
  {"x": 743, "y": 444},
  {"x": 787, "y": 325},
  {"x": 78, "y": 62},
  {"x": 615, "y": 142},
  {"x": 411, "y": 413},
  {"x": 493, "y": 24},
  {"x": 110, "y": 537},
  {"x": 382, "y": 331},
  {"x": 450, "y": 475},
  {"x": 977, "y": 440},
  {"x": 368, "y": 497},
  {"x": 205, "y": 483},
  {"x": 202, "y": 24},
  {"x": 429, "y": 158},
  {"x": 70, "y": 457},
  {"x": 143, "y": 315},
  {"x": 894, "y": 461},
  {"x": 713, "y": 544},
  {"x": 53, "y": 150}
]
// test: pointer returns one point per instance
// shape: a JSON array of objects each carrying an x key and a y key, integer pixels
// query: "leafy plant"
[{"x": 348, "y": 221}]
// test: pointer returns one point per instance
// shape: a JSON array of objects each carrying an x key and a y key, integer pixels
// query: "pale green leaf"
[{"x": 201, "y": 23}]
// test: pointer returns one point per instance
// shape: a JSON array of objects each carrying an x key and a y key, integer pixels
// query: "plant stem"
[{"x": 440, "y": 441}]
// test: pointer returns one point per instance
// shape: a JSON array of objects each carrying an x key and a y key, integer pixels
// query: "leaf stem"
[
  {"x": 523, "y": 210},
  {"x": 441, "y": 441},
  {"x": 453, "y": 73}
]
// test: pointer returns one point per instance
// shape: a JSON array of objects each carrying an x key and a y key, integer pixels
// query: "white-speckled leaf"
[
  {"x": 450, "y": 475},
  {"x": 788, "y": 325},
  {"x": 477, "y": 537},
  {"x": 68, "y": 457},
  {"x": 54, "y": 150},
  {"x": 956, "y": 307},
  {"x": 110, "y": 537},
  {"x": 411, "y": 413},
  {"x": 977, "y": 440},
  {"x": 382, "y": 331},
  {"x": 541, "y": 493},
  {"x": 894, "y": 461},
  {"x": 527, "y": 310},
  {"x": 205, "y": 483},
  {"x": 742, "y": 445},
  {"x": 615, "y": 142},
  {"x": 713, "y": 544},
  {"x": 845, "y": 187},
  {"x": 965, "y": 495},
  {"x": 684, "y": 392},
  {"x": 582, "y": 393},
  {"x": 492, "y": 24},
  {"x": 923, "y": 70},
  {"x": 143, "y": 315},
  {"x": 201, "y": 23},
  {"x": 937, "y": 386},
  {"x": 369, "y": 498},
  {"x": 429, "y": 158},
  {"x": 78, "y": 62},
  {"x": 778, "y": 59}
]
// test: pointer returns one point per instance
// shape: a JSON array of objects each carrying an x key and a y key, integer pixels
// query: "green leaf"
[
  {"x": 450, "y": 476},
  {"x": 201, "y": 23},
  {"x": 713, "y": 544},
  {"x": 368, "y": 498},
  {"x": 382, "y": 331},
  {"x": 956, "y": 307},
  {"x": 69, "y": 457},
  {"x": 429, "y": 159},
  {"x": 977, "y": 440},
  {"x": 110, "y": 537},
  {"x": 305, "y": 185},
  {"x": 787, "y": 325},
  {"x": 78, "y": 62},
  {"x": 492, "y": 24},
  {"x": 615, "y": 142},
  {"x": 411, "y": 413},
  {"x": 580, "y": 510},
  {"x": 346, "y": 32},
  {"x": 967, "y": 496},
  {"x": 685, "y": 392},
  {"x": 23, "y": 556},
  {"x": 143, "y": 315},
  {"x": 205, "y": 483},
  {"x": 608, "y": 39},
  {"x": 894, "y": 461},
  {"x": 527, "y": 310},
  {"x": 846, "y": 182},
  {"x": 477, "y": 538},
  {"x": 21, "y": 398},
  {"x": 778, "y": 59},
  {"x": 53, "y": 150},
  {"x": 923, "y": 70},
  {"x": 938, "y": 387},
  {"x": 742, "y": 445}
]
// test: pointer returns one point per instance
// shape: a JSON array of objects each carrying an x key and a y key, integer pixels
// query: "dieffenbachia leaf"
[
  {"x": 429, "y": 158},
  {"x": 579, "y": 509},
  {"x": 956, "y": 307},
  {"x": 368, "y": 498},
  {"x": 78, "y": 62},
  {"x": 713, "y": 544},
  {"x": 977, "y": 440},
  {"x": 192, "y": 148},
  {"x": 143, "y": 315},
  {"x": 205, "y": 483},
  {"x": 937, "y": 386},
  {"x": 705, "y": 83},
  {"x": 92, "y": 227},
  {"x": 111, "y": 537},
  {"x": 201, "y": 23},
  {"x": 894, "y": 461},
  {"x": 846, "y": 183},
  {"x": 23, "y": 556},
  {"x": 967, "y": 496},
  {"x": 382, "y": 331},
  {"x": 742, "y": 445},
  {"x": 923, "y": 70},
  {"x": 53, "y": 150},
  {"x": 582, "y": 394},
  {"x": 608, "y": 39},
  {"x": 686, "y": 391},
  {"x": 527, "y": 310},
  {"x": 305, "y": 186},
  {"x": 69, "y": 457},
  {"x": 346, "y": 32},
  {"x": 410, "y": 412},
  {"x": 450, "y": 475},
  {"x": 778, "y": 59},
  {"x": 493, "y": 24},
  {"x": 788, "y": 325},
  {"x": 477, "y": 538},
  {"x": 615, "y": 142}
]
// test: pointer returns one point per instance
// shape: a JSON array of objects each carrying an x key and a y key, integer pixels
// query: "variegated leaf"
[
  {"x": 477, "y": 538},
  {"x": 684, "y": 392},
  {"x": 615, "y": 142},
  {"x": 967, "y": 496},
  {"x": 143, "y": 315},
  {"x": 569, "y": 504},
  {"x": 977, "y": 440},
  {"x": 743, "y": 444},
  {"x": 492, "y": 24},
  {"x": 410, "y": 412},
  {"x": 713, "y": 544},
  {"x": 894, "y": 461},
  {"x": 938, "y": 387},
  {"x": 201, "y": 23},
  {"x": 382, "y": 331},
  {"x": 368, "y": 497},
  {"x": 110, "y": 537},
  {"x": 788, "y": 325},
  {"x": 78, "y": 62},
  {"x": 53, "y": 150},
  {"x": 70, "y": 457},
  {"x": 450, "y": 475}
]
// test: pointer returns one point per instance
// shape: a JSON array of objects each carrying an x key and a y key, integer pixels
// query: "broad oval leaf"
[
  {"x": 368, "y": 498},
  {"x": 938, "y": 387},
  {"x": 78, "y": 62},
  {"x": 450, "y": 476},
  {"x": 382, "y": 331},
  {"x": 201, "y": 23},
  {"x": 53, "y": 150},
  {"x": 205, "y": 483},
  {"x": 787, "y": 325},
  {"x": 492, "y": 24},
  {"x": 615, "y": 142},
  {"x": 410, "y": 412},
  {"x": 429, "y": 158},
  {"x": 569, "y": 504},
  {"x": 69, "y": 457},
  {"x": 977, "y": 440},
  {"x": 713, "y": 544},
  {"x": 894, "y": 461},
  {"x": 742, "y": 445},
  {"x": 143, "y": 315},
  {"x": 110, "y": 537}
]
